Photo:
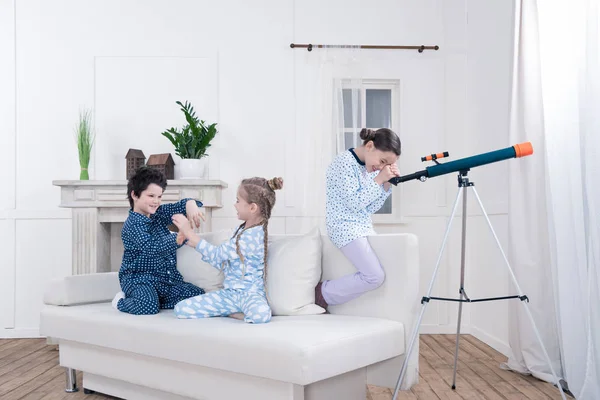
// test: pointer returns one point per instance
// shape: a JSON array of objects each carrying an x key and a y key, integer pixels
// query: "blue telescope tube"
[{"x": 465, "y": 164}]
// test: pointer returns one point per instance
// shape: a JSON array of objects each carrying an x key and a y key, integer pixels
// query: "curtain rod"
[{"x": 309, "y": 47}]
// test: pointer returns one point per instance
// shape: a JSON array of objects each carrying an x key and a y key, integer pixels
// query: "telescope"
[
  {"x": 464, "y": 164},
  {"x": 464, "y": 185}
]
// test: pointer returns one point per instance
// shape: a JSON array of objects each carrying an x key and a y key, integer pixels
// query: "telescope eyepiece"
[{"x": 433, "y": 157}]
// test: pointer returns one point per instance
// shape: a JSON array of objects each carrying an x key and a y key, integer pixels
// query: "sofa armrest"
[
  {"x": 82, "y": 289},
  {"x": 397, "y": 299}
]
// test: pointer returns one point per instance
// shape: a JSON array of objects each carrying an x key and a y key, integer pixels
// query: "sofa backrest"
[{"x": 396, "y": 299}]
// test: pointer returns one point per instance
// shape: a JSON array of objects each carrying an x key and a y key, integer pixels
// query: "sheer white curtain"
[
  {"x": 554, "y": 200},
  {"x": 348, "y": 104},
  {"x": 315, "y": 143},
  {"x": 329, "y": 84}
]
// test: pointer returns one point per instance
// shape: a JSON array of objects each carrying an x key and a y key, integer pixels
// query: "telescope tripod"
[{"x": 463, "y": 185}]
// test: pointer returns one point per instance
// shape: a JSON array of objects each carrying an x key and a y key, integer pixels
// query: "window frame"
[{"x": 395, "y": 217}]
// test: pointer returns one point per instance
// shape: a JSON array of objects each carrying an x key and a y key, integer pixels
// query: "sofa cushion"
[
  {"x": 293, "y": 271},
  {"x": 297, "y": 349}
]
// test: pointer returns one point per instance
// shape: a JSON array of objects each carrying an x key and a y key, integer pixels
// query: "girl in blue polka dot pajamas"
[
  {"x": 357, "y": 186},
  {"x": 243, "y": 259},
  {"x": 148, "y": 275}
]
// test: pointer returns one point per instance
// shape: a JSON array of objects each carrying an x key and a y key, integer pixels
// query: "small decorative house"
[
  {"x": 163, "y": 162},
  {"x": 135, "y": 159}
]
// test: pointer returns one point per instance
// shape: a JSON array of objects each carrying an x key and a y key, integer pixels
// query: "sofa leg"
[
  {"x": 88, "y": 391},
  {"x": 71, "y": 380}
]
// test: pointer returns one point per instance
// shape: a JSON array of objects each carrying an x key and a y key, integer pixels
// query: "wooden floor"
[{"x": 29, "y": 370}]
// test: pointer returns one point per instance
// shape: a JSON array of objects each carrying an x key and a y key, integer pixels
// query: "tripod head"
[{"x": 464, "y": 164}]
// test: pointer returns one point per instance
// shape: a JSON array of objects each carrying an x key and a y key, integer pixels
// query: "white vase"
[{"x": 192, "y": 168}]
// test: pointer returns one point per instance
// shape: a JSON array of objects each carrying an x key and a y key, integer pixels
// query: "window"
[{"x": 376, "y": 103}]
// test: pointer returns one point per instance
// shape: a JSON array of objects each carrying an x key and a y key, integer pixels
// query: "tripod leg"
[
  {"x": 514, "y": 278},
  {"x": 462, "y": 281},
  {"x": 457, "y": 340},
  {"x": 426, "y": 299}
]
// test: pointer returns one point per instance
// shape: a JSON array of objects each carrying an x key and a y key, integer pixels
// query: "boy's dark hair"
[
  {"x": 142, "y": 178},
  {"x": 384, "y": 139}
]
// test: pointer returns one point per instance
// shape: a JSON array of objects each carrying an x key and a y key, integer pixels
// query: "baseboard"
[
  {"x": 486, "y": 338},
  {"x": 443, "y": 329},
  {"x": 491, "y": 341},
  {"x": 20, "y": 333}
]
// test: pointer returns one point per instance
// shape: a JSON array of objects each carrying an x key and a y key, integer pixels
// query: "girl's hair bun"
[
  {"x": 367, "y": 134},
  {"x": 275, "y": 183}
]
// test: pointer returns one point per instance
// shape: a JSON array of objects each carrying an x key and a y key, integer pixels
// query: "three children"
[{"x": 357, "y": 187}]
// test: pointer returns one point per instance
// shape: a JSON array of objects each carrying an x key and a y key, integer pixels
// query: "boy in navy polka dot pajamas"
[{"x": 148, "y": 275}]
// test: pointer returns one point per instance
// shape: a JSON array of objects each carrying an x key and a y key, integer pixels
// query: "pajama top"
[
  {"x": 225, "y": 257},
  {"x": 150, "y": 248},
  {"x": 352, "y": 196}
]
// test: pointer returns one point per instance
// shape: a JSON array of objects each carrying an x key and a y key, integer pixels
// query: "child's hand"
[
  {"x": 194, "y": 214},
  {"x": 185, "y": 229},
  {"x": 393, "y": 169},
  {"x": 385, "y": 174},
  {"x": 180, "y": 238}
]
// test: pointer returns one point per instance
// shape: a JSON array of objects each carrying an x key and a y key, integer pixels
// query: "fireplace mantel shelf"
[
  {"x": 97, "y": 204},
  {"x": 181, "y": 182}
]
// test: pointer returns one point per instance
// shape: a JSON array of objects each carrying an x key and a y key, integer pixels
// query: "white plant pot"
[{"x": 192, "y": 168}]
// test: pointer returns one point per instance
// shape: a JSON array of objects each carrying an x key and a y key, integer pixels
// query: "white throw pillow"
[
  {"x": 195, "y": 271},
  {"x": 293, "y": 271}
]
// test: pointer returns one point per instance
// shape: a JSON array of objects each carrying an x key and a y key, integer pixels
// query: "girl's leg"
[
  {"x": 255, "y": 307},
  {"x": 214, "y": 304},
  {"x": 370, "y": 274}
]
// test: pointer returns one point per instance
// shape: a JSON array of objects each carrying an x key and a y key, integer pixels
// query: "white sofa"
[{"x": 293, "y": 357}]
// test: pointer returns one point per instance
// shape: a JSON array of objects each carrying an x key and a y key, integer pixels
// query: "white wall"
[
  {"x": 131, "y": 60},
  {"x": 490, "y": 70}
]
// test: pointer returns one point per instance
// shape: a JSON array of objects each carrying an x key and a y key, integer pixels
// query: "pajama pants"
[
  {"x": 370, "y": 274},
  {"x": 225, "y": 302},
  {"x": 149, "y": 297}
]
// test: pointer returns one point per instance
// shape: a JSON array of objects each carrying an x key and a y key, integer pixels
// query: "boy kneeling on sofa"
[{"x": 148, "y": 275}]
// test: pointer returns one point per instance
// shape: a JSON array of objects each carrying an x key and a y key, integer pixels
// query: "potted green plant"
[
  {"x": 85, "y": 143},
  {"x": 191, "y": 143}
]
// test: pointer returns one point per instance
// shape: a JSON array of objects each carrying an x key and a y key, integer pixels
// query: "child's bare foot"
[{"x": 237, "y": 315}]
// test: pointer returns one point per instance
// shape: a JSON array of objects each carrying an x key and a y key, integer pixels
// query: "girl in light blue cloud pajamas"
[
  {"x": 243, "y": 289},
  {"x": 243, "y": 258}
]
